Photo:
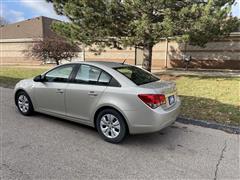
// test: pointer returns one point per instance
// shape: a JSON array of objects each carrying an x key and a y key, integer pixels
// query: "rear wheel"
[
  {"x": 24, "y": 103},
  {"x": 111, "y": 126}
]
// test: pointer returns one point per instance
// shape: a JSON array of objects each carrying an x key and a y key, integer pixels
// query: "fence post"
[{"x": 166, "y": 54}]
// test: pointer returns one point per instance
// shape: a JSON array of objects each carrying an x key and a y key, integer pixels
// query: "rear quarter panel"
[{"x": 122, "y": 98}]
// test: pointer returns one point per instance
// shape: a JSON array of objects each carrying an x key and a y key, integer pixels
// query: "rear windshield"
[{"x": 136, "y": 75}]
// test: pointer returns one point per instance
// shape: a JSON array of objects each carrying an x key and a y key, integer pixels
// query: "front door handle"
[
  {"x": 60, "y": 91},
  {"x": 92, "y": 93}
]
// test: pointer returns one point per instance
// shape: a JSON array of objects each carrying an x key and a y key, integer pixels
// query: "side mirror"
[{"x": 39, "y": 78}]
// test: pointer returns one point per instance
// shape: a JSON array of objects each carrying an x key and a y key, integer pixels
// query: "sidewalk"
[{"x": 192, "y": 72}]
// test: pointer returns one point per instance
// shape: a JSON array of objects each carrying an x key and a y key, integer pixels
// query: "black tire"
[
  {"x": 118, "y": 117},
  {"x": 30, "y": 109}
]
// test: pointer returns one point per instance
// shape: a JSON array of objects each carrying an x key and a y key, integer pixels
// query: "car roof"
[{"x": 103, "y": 63}]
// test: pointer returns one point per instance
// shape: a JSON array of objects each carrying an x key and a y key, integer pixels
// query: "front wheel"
[
  {"x": 111, "y": 126},
  {"x": 24, "y": 103}
]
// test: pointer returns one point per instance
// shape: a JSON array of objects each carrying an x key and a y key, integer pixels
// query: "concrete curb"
[{"x": 227, "y": 128}]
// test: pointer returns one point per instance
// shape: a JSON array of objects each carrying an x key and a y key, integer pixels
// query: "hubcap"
[
  {"x": 23, "y": 103},
  {"x": 110, "y": 126}
]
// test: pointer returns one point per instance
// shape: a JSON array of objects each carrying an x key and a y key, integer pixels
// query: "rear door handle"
[
  {"x": 60, "y": 91},
  {"x": 92, "y": 93}
]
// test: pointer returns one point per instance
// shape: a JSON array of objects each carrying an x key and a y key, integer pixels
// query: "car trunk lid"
[{"x": 166, "y": 88}]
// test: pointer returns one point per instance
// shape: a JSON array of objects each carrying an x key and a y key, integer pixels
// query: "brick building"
[
  {"x": 221, "y": 54},
  {"x": 16, "y": 40}
]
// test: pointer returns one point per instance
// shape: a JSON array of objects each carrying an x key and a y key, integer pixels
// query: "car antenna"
[{"x": 124, "y": 61}]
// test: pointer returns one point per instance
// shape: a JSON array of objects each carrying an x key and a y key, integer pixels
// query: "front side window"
[
  {"x": 60, "y": 74},
  {"x": 136, "y": 75}
]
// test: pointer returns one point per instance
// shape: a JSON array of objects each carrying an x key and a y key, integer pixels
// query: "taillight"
[{"x": 153, "y": 100}]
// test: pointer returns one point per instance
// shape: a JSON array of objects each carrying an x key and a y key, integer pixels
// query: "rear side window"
[
  {"x": 87, "y": 74},
  {"x": 104, "y": 78},
  {"x": 136, "y": 75}
]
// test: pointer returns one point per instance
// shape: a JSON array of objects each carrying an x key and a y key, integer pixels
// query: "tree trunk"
[
  {"x": 147, "y": 57},
  {"x": 57, "y": 62}
]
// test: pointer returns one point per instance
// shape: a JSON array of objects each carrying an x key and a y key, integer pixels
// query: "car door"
[
  {"x": 50, "y": 94},
  {"x": 85, "y": 91}
]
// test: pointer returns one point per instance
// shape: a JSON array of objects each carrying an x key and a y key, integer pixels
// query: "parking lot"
[{"x": 44, "y": 147}]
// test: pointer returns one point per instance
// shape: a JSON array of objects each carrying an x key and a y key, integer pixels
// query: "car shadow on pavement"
[
  {"x": 66, "y": 123},
  {"x": 166, "y": 137},
  {"x": 162, "y": 137}
]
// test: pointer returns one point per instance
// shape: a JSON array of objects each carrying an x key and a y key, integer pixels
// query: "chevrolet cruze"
[{"x": 115, "y": 98}]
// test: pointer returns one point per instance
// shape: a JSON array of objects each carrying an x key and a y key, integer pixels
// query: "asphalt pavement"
[{"x": 45, "y": 147}]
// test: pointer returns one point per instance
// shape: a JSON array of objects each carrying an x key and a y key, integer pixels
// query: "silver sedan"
[{"x": 117, "y": 99}]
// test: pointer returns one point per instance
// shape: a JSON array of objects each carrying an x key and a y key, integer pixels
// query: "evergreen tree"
[{"x": 142, "y": 23}]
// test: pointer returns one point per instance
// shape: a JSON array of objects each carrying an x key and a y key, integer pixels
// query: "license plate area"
[{"x": 171, "y": 100}]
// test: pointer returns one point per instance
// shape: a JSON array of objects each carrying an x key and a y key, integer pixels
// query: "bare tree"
[
  {"x": 54, "y": 49},
  {"x": 3, "y": 21}
]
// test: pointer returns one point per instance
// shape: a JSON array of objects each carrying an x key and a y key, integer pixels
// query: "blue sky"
[{"x": 18, "y": 10}]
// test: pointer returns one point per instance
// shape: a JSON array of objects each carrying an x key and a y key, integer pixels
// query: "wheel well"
[
  {"x": 15, "y": 96},
  {"x": 108, "y": 107},
  {"x": 18, "y": 91}
]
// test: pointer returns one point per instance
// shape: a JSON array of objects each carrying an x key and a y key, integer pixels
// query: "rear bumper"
[{"x": 148, "y": 120}]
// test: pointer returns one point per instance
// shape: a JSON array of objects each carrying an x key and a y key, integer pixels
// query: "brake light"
[{"x": 153, "y": 100}]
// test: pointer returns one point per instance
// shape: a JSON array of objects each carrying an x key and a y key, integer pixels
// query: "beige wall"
[
  {"x": 13, "y": 53},
  {"x": 16, "y": 52},
  {"x": 222, "y": 54}
]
